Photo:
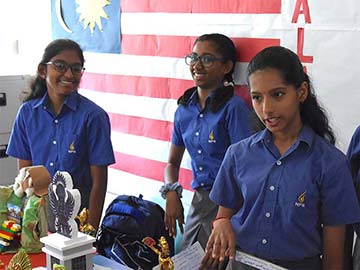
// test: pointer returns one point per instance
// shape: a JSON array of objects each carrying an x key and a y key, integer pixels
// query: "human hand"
[
  {"x": 210, "y": 263},
  {"x": 221, "y": 243},
  {"x": 174, "y": 212}
]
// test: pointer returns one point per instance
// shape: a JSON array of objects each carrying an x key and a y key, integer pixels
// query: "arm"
[
  {"x": 172, "y": 168},
  {"x": 334, "y": 240},
  {"x": 24, "y": 163},
  {"x": 97, "y": 194},
  {"x": 100, "y": 151},
  {"x": 174, "y": 210}
]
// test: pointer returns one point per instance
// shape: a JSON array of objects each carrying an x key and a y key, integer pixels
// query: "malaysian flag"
[{"x": 139, "y": 80}]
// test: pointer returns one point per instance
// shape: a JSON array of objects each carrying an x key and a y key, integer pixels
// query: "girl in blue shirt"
[
  {"x": 209, "y": 118},
  {"x": 285, "y": 193},
  {"x": 353, "y": 154},
  {"x": 62, "y": 130}
]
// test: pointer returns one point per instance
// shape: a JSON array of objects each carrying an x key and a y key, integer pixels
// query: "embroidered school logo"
[
  {"x": 301, "y": 200},
  {"x": 72, "y": 149},
  {"x": 211, "y": 137}
]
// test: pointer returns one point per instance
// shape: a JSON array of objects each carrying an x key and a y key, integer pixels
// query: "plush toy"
[
  {"x": 23, "y": 217},
  {"x": 32, "y": 180},
  {"x": 17, "y": 187}
]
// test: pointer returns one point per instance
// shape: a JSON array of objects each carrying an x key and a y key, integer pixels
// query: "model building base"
[{"x": 73, "y": 253}]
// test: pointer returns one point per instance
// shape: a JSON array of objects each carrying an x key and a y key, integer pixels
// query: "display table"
[{"x": 39, "y": 259}]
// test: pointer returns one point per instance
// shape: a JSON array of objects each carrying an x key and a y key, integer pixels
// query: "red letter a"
[{"x": 298, "y": 11}]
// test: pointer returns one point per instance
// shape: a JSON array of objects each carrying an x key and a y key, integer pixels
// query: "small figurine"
[
  {"x": 20, "y": 261},
  {"x": 82, "y": 217},
  {"x": 165, "y": 260},
  {"x": 89, "y": 229},
  {"x": 85, "y": 227}
]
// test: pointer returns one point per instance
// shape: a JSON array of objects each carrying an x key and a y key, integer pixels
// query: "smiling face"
[
  {"x": 209, "y": 78},
  {"x": 277, "y": 104},
  {"x": 61, "y": 84}
]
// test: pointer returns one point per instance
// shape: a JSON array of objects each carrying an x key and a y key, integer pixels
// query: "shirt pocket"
[
  {"x": 72, "y": 150},
  {"x": 215, "y": 140},
  {"x": 302, "y": 203}
]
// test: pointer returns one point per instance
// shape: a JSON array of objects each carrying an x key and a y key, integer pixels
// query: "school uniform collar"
[
  {"x": 307, "y": 135},
  {"x": 71, "y": 101},
  {"x": 194, "y": 98},
  {"x": 41, "y": 102}
]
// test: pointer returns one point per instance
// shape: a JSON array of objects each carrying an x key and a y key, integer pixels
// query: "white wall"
[
  {"x": 25, "y": 30},
  {"x": 24, "y": 33}
]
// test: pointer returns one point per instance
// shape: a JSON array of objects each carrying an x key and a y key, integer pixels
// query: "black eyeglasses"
[
  {"x": 62, "y": 66},
  {"x": 206, "y": 60}
]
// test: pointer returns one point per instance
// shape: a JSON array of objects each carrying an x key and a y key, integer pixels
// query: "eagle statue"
[{"x": 64, "y": 203}]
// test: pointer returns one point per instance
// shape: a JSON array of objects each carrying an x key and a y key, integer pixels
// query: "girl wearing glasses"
[
  {"x": 285, "y": 193},
  {"x": 62, "y": 130},
  {"x": 209, "y": 118}
]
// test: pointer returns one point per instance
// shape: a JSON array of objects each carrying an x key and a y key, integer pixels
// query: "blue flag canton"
[{"x": 95, "y": 25}]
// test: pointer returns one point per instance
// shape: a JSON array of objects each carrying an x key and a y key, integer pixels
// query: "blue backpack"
[{"x": 128, "y": 220}]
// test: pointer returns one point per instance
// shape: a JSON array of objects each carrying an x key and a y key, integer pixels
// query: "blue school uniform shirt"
[
  {"x": 72, "y": 141},
  {"x": 207, "y": 135},
  {"x": 283, "y": 200},
  {"x": 353, "y": 154}
]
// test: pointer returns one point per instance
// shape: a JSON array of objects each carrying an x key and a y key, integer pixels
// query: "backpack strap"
[{"x": 123, "y": 208}]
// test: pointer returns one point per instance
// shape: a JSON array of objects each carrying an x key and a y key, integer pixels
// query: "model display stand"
[
  {"x": 67, "y": 246},
  {"x": 74, "y": 254}
]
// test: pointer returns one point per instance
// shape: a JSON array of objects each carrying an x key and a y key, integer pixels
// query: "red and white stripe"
[{"x": 140, "y": 86}]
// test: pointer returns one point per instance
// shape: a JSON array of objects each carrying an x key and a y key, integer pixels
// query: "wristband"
[
  {"x": 171, "y": 187},
  {"x": 218, "y": 218}
]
